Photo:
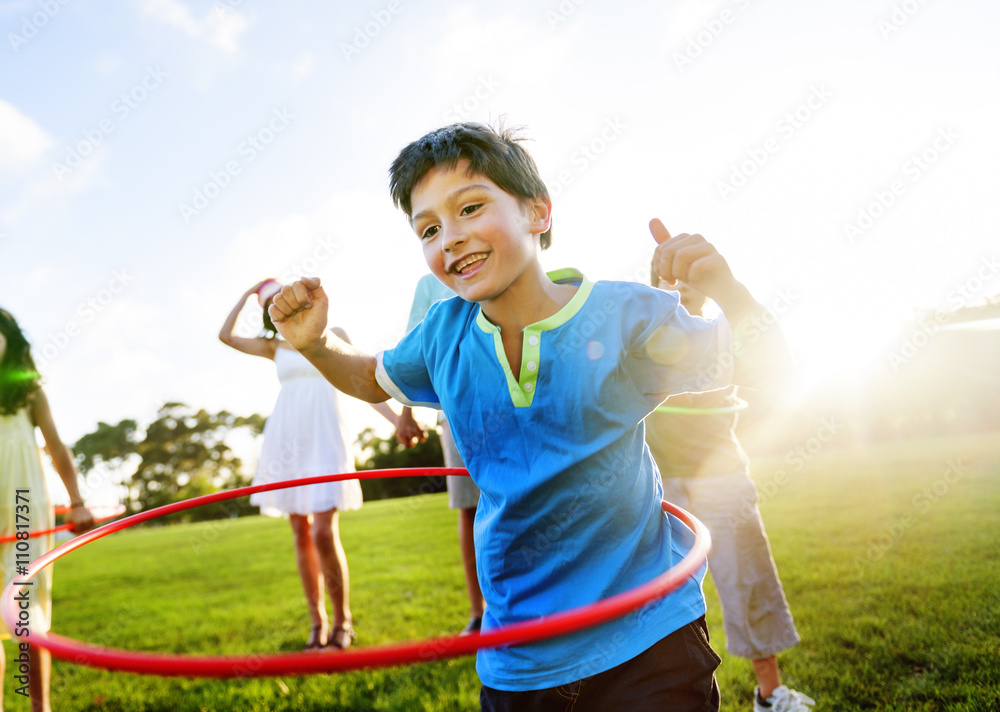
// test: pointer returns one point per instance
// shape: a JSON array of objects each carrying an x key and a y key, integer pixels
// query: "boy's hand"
[
  {"x": 762, "y": 356},
  {"x": 299, "y": 312},
  {"x": 692, "y": 259}
]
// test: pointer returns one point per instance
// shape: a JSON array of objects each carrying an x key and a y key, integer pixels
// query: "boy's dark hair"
[
  {"x": 19, "y": 378},
  {"x": 496, "y": 154}
]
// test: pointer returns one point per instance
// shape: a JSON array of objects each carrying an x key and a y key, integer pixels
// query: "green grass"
[{"x": 895, "y": 597}]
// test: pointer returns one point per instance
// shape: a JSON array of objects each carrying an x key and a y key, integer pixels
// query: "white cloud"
[
  {"x": 44, "y": 194},
  {"x": 22, "y": 141},
  {"x": 520, "y": 45},
  {"x": 115, "y": 366},
  {"x": 685, "y": 20},
  {"x": 107, "y": 62},
  {"x": 220, "y": 28},
  {"x": 303, "y": 66},
  {"x": 335, "y": 242}
]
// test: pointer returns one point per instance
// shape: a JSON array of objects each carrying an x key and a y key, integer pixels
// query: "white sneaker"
[{"x": 783, "y": 700}]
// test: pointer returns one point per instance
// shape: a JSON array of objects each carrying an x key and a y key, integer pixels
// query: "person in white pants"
[{"x": 705, "y": 471}]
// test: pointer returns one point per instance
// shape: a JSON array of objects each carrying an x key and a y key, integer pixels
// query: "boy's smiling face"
[{"x": 477, "y": 238}]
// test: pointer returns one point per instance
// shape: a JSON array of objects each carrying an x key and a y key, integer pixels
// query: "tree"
[
  {"x": 382, "y": 454},
  {"x": 109, "y": 445},
  {"x": 182, "y": 454}
]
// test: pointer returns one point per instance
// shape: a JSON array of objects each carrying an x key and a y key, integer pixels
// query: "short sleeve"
[
  {"x": 403, "y": 372},
  {"x": 671, "y": 351}
]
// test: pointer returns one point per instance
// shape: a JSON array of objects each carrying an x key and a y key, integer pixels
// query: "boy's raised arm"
[
  {"x": 299, "y": 312},
  {"x": 762, "y": 355}
]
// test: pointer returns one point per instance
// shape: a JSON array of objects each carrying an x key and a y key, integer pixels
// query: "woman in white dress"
[
  {"x": 24, "y": 496},
  {"x": 305, "y": 437}
]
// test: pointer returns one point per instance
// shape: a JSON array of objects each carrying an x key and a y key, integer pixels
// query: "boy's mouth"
[{"x": 469, "y": 264}]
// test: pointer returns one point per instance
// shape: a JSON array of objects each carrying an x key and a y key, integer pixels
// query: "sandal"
[
  {"x": 474, "y": 625},
  {"x": 318, "y": 637},
  {"x": 341, "y": 638}
]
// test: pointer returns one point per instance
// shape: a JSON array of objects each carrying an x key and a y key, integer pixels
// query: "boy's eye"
[
  {"x": 429, "y": 232},
  {"x": 469, "y": 209}
]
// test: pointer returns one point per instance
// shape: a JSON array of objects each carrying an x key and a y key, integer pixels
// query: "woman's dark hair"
[
  {"x": 270, "y": 331},
  {"x": 19, "y": 377},
  {"x": 496, "y": 154}
]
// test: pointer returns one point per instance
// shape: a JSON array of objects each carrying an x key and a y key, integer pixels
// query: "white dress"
[
  {"x": 21, "y": 469},
  {"x": 304, "y": 437}
]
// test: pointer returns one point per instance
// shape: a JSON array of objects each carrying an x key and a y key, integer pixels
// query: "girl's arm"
[
  {"x": 408, "y": 431},
  {"x": 62, "y": 459},
  {"x": 253, "y": 346},
  {"x": 386, "y": 412}
]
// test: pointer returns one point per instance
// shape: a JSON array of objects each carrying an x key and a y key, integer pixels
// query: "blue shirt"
[{"x": 570, "y": 508}]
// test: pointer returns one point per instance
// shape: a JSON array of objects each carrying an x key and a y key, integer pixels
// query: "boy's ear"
[{"x": 541, "y": 215}]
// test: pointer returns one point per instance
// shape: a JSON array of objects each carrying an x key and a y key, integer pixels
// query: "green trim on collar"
[
  {"x": 522, "y": 389},
  {"x": 522, "y": 393},
  {"x": 566, "y": 275},
  {"x": 483, "y": 323},
  {"x": 567, "y": 312}
]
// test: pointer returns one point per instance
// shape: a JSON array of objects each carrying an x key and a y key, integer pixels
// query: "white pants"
[{"x": 755, "y": 613}]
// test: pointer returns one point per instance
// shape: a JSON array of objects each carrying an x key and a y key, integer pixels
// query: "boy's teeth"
[{"x": 465, "y": 263}]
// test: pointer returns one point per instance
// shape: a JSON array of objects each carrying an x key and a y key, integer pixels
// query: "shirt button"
[
  {"x": 532, "y": 365},
  {"x": 529, "y": 387},
  {"x": 533, "y": 340}
]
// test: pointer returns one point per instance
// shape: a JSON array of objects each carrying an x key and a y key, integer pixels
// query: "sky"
[{"x": 159, "y": 157}]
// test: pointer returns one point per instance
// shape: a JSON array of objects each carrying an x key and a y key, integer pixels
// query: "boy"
[
  {"x": 546, "y": 386},
  {"x": 705, "y": 471}
]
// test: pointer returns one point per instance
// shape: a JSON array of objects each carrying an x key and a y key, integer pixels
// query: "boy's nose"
[{"x": 453, "y": 236}]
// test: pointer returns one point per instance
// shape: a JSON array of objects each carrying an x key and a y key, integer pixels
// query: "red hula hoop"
[
  {"x": 172, "y": 664},
  {"x": 115, "y": 511}
]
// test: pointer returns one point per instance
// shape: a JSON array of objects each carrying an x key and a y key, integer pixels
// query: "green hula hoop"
[{"x": 740, "y": 404}]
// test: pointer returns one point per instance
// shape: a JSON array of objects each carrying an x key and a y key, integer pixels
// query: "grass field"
[{"x": 889, "y": 558}]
